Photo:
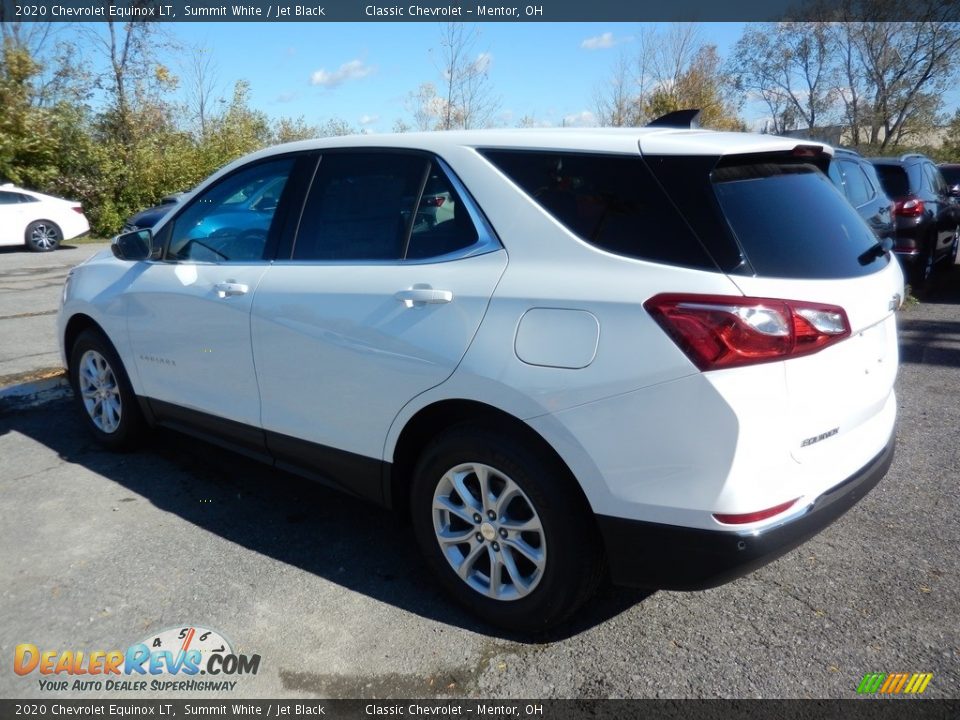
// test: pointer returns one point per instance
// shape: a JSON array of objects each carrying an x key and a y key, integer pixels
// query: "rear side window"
[
  {"x": 609, "y": 201},
  {"x": 858, "y": 188},
  {"x": 894, "y": 180},
  {"x": 791, "y": 223}
]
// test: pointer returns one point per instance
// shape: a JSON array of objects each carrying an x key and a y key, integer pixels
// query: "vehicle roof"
[{"x": 657, "y": 141}]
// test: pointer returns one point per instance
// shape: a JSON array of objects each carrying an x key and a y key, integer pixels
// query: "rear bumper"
[{"x": 671, "y": 557}]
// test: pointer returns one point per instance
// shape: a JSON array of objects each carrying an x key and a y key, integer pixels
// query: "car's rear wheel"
[
  {"x": 43, "y": 236},
  {"x": 103, "y": 391},
  {"x": 503, "y": 530}
]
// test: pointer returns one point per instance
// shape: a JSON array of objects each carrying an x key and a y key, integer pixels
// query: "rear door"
[{"x": 383, "y": 291}]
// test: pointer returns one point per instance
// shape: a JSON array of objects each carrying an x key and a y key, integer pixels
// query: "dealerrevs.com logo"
[{"x": 168, "y": 661}]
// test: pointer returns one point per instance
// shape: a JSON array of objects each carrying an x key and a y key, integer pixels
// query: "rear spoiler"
[{"x": 817, "y": 155}]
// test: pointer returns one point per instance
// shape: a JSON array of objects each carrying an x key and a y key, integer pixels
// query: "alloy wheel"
[
  {"x": 100, "y": 391},
  {"x": 489, "y": 531}
]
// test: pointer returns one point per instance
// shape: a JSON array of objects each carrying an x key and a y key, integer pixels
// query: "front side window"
[
  {"x": 231, "y": 220},
  {"x": 9, "y": 198}
]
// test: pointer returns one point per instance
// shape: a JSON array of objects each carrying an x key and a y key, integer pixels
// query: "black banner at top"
[{"x": 475, "y": 10}]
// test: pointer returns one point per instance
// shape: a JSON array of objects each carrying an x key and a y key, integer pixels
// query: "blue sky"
[{"x": 363, "y": 72}]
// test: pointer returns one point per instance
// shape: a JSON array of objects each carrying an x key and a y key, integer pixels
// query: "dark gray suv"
[{"x": 926, "y": 215}]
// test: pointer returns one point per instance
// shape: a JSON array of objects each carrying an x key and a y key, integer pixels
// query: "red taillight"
[
  {"x": 908, "y": 208},
  {"x": 745, "y": 518},
  {"x": 719, "y": 331},
  {"x": 78, "y": 209},
  {"x": 434, "y": 201}
]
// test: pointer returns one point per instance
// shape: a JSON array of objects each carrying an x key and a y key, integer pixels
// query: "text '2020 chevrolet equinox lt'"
[{"x": 661, "y": 355}]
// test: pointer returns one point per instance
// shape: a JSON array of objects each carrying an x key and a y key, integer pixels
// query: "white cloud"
[
  {"x": 353, "y": 70},
  {"x": 483, "y": 62},
  {"x": 584, "y": 118},
  {"x": 599, "y": 42},
  {"x": 368, "y": 119},
  {"x": 286, "y": 97}
]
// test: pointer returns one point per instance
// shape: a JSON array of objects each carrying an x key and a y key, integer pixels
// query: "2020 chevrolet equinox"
[{"x": 665, "y": 355}]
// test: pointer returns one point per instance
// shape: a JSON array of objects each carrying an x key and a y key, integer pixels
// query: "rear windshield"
[
  {"x": 791, "y": 222},
  {"x": 951, "y": 174},
  {"x": 894, "y": 180}
]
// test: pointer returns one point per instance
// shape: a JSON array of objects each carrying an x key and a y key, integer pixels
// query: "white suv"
[{"x": 662, "y": 355}]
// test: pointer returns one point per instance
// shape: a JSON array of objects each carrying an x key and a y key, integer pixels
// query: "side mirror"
[
  {"x": 954, "y": 191},
  {"x": 135, "y": 245}
]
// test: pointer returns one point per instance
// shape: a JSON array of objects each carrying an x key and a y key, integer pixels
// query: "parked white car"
[
  {"x": 666, "y": 355},
  {"x": 41, "y": 222}
]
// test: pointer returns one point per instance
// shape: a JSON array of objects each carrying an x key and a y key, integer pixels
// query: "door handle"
[
  {"x": 422, "y": 295},
  {"x": 230, "y": 288}
]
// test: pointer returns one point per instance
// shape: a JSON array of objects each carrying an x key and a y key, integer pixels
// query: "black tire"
[
  {"x": 43, "y": 236},
  {"x": 924, "y": 267},
  {"x": 103, "y": 392},
  {"x": 567, "y": 539}
]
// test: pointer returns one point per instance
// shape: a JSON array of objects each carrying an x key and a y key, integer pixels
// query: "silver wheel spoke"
[
  {"x": 503, "y": 501},
  {"x": 468, "y": 498},
  {"x": 496, "y": 566},
  {"x": 530, "y": 553},
  {"x": 483, "y": 478},
  {"x": 470, "y": 560},
  {"x": 445, "y": 504},
  {"x": 456, "y": 537},
  {"x": 511, "y": 525},
  {"x": 515, "y": 575}
]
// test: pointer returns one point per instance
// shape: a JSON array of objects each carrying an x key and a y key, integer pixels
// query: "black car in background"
[
  {"x": 857, "y": 179},
  {"x": 146, "y": 219},
  {"x": 925, "y": 214}
]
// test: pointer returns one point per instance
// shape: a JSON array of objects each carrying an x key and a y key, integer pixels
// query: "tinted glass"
[
  {"x": 610, "y": 201},
  {"x": 791, "y": 223},
  {"x": 360, "y": 206},
  {"x": 858, "y": 191},
  {"x": 231, "y": 220},
  {"x": 9, "y": 198},
  {"x": 835, "y": 177},
  {"x": 951, "y": 174},
  {"x": 894, "y": 180},
  {"x": 442, "y": 224},
  {"x": 937, "y": 183}
]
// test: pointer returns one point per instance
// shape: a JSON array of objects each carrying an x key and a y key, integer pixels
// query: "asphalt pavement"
[
  {"x": 99, "y": 551},
  {"x": 30, "y": 285}
]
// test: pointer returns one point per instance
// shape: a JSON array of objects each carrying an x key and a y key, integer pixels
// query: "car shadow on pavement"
[
  {"x": 943, "y": 287},
  {"x": 935, "y": 339},
  {"x": 346, "y": 541}
]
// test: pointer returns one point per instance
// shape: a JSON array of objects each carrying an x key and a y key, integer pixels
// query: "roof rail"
[
  {"x": 678, "y": 119},
  {"x": 912, "y": 155}
]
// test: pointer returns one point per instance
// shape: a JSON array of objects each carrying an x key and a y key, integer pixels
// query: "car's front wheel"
[
  {"x": 43, "y": 236},
  {"x": 103, "y": 391},
  {"x": 503, "y": 529}
]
